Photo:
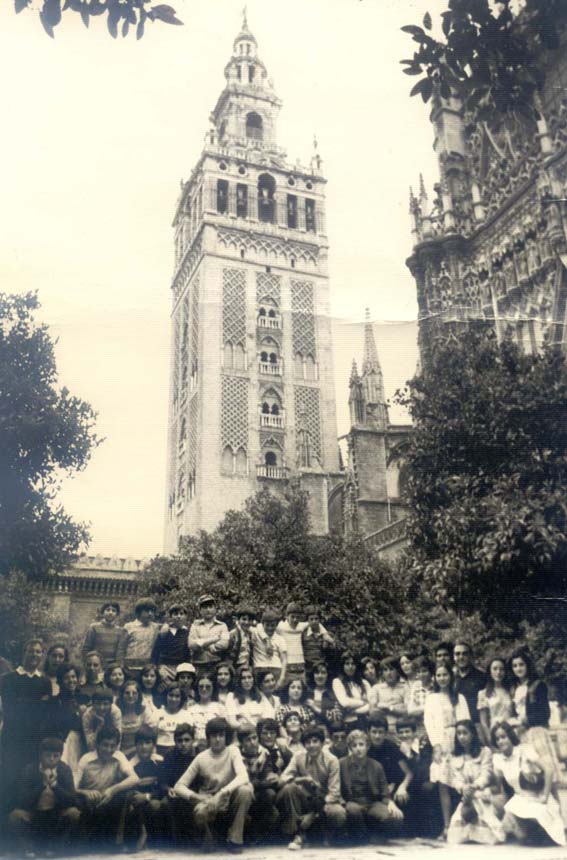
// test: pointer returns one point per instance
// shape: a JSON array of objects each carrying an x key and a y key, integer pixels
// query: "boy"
[
  {"x": 338, "y": 738},
  {"x": 208, "y": 637},
  {"x": 269, "y": 649},
  {"x": 46, "y": 816},
  {"x": 280, "y": 756},
  {"x": 387, "y": 697},
  {"x": 292, "y": 727},
  {"x": 103, "y": 778},
  {"x": 262, "y": 813},
  {"x": 172, "y": 768},
  {"x": 311, "y": 790},
  {"x": 316, "y": 641},
  {"x": 422, "y": 813},
  {"x": 239, "y": 640},
  {"x": 144, "y": 802},
  {"x": 364, "y": 787},
  {"x": 102, "y": 713},
  {"x": 171, "y": 647},
  {"x": 140, "y": 636},
  {"x": 106, "y": 637},
  {"x": 223, "y": 787},
  {"x": 185, "y": 676},
  {"x": 387, "y": 753},
  {"x": 94, "y": 679},
  {"x": 444, "y": 654}
]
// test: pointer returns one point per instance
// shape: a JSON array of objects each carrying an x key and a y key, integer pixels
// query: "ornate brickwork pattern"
[
  {"x": 194, "y": 348},
  {"x": 234, "y": 306},
  {"x": 234, "y": 412},
  {"x": 307, "y": 402},
  {"x": 192, "y": 431},
  {"x": 268, "y": 286},
  {"x": 303, "y": 318},
  {"x": 184, "y": 345},
  {"x": 265, "y": 246},
  {"x": 188, "y": 267},
  {"x": 176, "y": 359}
]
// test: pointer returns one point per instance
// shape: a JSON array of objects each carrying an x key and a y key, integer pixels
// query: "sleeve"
[
  {"x": 222, "y": 644},
  {"x": 456, "y": 776},
  {"x": 186, "y": 779},
  {"x": 231, "y": 710},
  {"x": 482, "y": 701},
  {"x": 65, "y": 789},
  {"x": 343, "y": 699},
  {"x": 116, "y": 718},
  {"x": 334, "y": 781},
  {"x": 432, "y": 721},
  {"x": 83, "y": 761},
  {"x": 195, "y": 635},
  {"x": 486, "y": 773},
  {"x": 121, "y": 646},
  {"x": 281, "y": 645},
  {"x": 89, "y": 730},
  {"x": 291, "y": 771},
  {"x": 90, "y": 638},
  {"x": 462, "y": 709},
  {"x": 240, "y": 771},
  {"x": 126, "y": 767}
]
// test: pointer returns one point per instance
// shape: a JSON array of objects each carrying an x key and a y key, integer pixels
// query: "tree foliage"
[
  {"x": 25, "y": 611},
  {"x": 264, "y": 555},
  {"x": 487, "y": 470},
  {"x": 45, "y": 434},
  {"x": 122, "y": 16},
  {"x": 488, "y": 56}
]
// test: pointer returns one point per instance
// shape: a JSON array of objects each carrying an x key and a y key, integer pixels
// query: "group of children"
[{"x": 169, "y": 732}]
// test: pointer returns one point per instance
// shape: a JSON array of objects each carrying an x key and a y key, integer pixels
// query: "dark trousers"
[
  {"x": 263, "y": 816},
  {"x": 229, "y": 816},
  {"x": 374, "y": 817},
  {"x": 294, "y": 802},
  {"x": 422, "y": 814},
  {"x": 53, "y": 829}
]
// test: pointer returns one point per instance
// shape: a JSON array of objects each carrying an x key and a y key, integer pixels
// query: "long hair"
[
  {"x": 475, "y": 740},
  {"x": 157, "y": 697},
  {"x": 208, "y": 678},
  {"x": 489, "y": 687},
  {"x": 311, "y": 676},
  {"x": 451, "y": 691},
  {"x": 509, "y": 731},
  {"x": 285, "y": 693},
  {"x": 230, "y": 687},
  {"x": 356, "y": 678},
  {"x": 51, "y": 649},
  {"x": 183, "y": 696},
  {"x": 240, "y": 694},
  {"x": 139, "y": 706},
  {"x": 108, "y": 672},
  {"x": 523, "y": 654}
]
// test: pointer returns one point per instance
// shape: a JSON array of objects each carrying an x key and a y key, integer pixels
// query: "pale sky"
[{"x": 97, "y": 135}]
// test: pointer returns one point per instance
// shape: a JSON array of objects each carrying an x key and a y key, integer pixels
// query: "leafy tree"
[
  {"x": 45, "y": 434},
  {"x": 487, "y": 469},
  {"x": 488, "y": 56},
  {"x": 264, "y": 555},
  {"x": 120, "y": 14},
  {"x": 25, "y": 611}
]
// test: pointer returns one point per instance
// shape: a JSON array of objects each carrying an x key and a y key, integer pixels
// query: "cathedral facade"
[{"x": 252, "y": 398}]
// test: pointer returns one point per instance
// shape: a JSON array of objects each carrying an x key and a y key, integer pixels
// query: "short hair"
[
  {"x": 64, "y": 669},
  {"x": 505, "y": 727},
  {"x": 293, "y": 607},
  {"x": 356, "y": 735},
  {"x": 176, "y": 606},
  {"x": 423, "y": 662},
  {"x": 51, "y": 745},
  {"x": 313, "y": 732},
  {"x": 145, "y": 733},
  {"x": 102, "y": 694},
  {"x": 111, "y": 603},
  {"x": 107, "y": 734},
  {"x": 445, "y": 645},
  {"x": 405, "y": 723},
  {"x": 169, "y": 689},
  {"x": 464, "y": 644},
  {"x": 92, "y": 654},
  {"x": 270, "y": 615},
  {"x": 54, "y": 647},
  {"x": 219, "y": 725},
  {"x": 336, "y": 726},
  {"x": 184, "y": 729},
  {"x": 311, "y": 610},
  {"x": 378, "y": 722},
  {"x": 245, "y": 732},
  {"x": 267, "y": 725},
  {"x": 286, "y": 717},
  {"x": 35, "y": 640},
  {"x": 145, "y": 603},
  {"x": 390, "y": 663},
  {"x": 245, "y": 609}
]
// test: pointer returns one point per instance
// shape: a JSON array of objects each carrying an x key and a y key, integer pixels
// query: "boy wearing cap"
[
  {"x": 269, "y": 649},
  {"x": 185, "y": 675},
  {"x": 208, "y": 637},
  {"x": 239, "y": 641},
  {"x": 106, "y": 637},
  {"x": 171, "y": 647},
  {"x": 140, "y": 636}
]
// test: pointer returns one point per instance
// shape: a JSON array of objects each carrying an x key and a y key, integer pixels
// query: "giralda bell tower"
[{"x": 252, "y": 397}]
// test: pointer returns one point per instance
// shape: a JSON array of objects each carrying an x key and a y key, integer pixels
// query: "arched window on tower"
[
  {"x": 222, "y": 196},
  {"x": 270, "y": 458},
  {"x": 254, "y": 126},
  {"x": 266, "y": 198}
]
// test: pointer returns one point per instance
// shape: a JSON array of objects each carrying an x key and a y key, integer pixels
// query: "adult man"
[
  {"x": 223, "y": 788},
  {"x": 269, "y": 649},
  {"x": 208, "y": 637},
  {"x": 469, "y": 680}
]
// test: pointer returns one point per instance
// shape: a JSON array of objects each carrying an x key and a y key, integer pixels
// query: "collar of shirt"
[
  {"x": 35, "y": 674},
  {"x": 208, "y": 623}
]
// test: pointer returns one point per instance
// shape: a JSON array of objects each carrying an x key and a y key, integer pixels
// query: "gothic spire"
[{"x": 370, "y": 363}]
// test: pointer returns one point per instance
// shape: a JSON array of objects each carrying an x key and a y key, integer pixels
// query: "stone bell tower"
[{"x": 251, "y": 388}]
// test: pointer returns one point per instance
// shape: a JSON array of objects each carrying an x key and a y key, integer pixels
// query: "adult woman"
[
  {"x": 64, "y": 715},
  {"x": 224, "y": 682},
  {"x": 267, "y": 684},
  {"x": 134, "y": 715},
  {"x": 320, "y": 696},
  {"x": 149, "y": 681},
  {"x": 532, "y": 803},
  {"x": 443, "y": 708},
  {"x": 349, "y": 691},
  {"x": 495, "y": 703},
  {"x": 531, "y": 703},
  {"x": 204, "y": 709},
  {"x": 475, "y": 818},
  {"x": 56, "y": 655},
  {"x": 294, "y": 698},
  {"x": 246, "y": 704},
  {"x": 418, "y": 690},
  {"x": 114, "y": 679}
]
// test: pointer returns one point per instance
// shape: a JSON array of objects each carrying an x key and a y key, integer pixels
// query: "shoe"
[
  {"x": 233, "y": 847},
  {"x": 297, "y": 843}
]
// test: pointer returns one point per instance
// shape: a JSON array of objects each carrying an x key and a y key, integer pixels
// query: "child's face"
[
  {"x": 349, "y": 667},
  {"x": 33, "y": 656},
  {"x": 406, "y": 664},
  {"x": 424, "y": 676},
  {"x": 177, "y": 618},
  {"x": 247, "y": 680},
  {"x": 217, "y": 742},
  {"x": 130, "y": 694},
  {"x": 497, "y": 671},
  {"x": 185, "y": 680},
  {"x": 106, "y": 749},
  {"x": 270, "y": 627},
  {"x": 269, "y": 684},
  {"x": 56, "y": 658},
  {"x": 70, "y": 682},
  {"x": 369, "y": 672},
  {"x": 93, "y": 667},
  {"x": 464, "y": 736},
  {"x": 117, "y": 677},
  {"x": 268, "y": 737},
  {"x": 149, "y": 679},
  {"x": 102, "y": 708},
  {"x": 443, "y": 657},
  {"x": 320, "y": 676},
  {"x": 184, "y": 743},
  {"x": 358, "y": 748},
  {"x": 205, "y": 688},
  {"x": 313, "y": 746},
  {"x": 519, "y": 668},
  {"x": 338, "y": 739},
  {"x": 293, "y": 725},
  {"x": 406, "y": 734},
  {"x": 146, "y": 615},
  {"x": 50, "y": 759},
  {"x": 223, "y": 677},
  {"x": 109, "y": 614},
  {"x": 245, "y": 621},
  {"x": 443, "y": 677},
  {"x": 208, "y": 611},
  {"x": 173, "y": 700},
  {"x": 295, "y": 691},
  {"x": 377, "y": 735},
  {"x": 313, "y": 619},
  {"x": 293, "y": 619},
  {"x": 250, "y": 744},
  {"x": 144, "y": 749},
  {"x": 390, "y": 675}
]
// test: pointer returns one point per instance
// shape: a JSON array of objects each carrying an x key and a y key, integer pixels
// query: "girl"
[
  {"x": 149, "y": 680},
  {"x": 494, "y": 702},
  {"x": 387, "y": 697},
  {"x": 418, "y": 690},
  {"x": 267, "y": 684},
  {"x": 369, "y": 672},
  {"x": 475, "y": 818},
  {"x": 294, "y": 698},
  {"x": 134, "y": 716},
  {"x": 350, "y": 692},
  {"x": 519, "y": 766},
  {"x": 171, "y": 715},
  {"x": 320, "y": 696},
  {"x": 531, "y": 703},
  {"x": 245, "y": 705},
  {"x": 443, "y": 708},
  {"x": 204, "y": 709},
  {"x": 56, "y": 655},
  {"x": 64, "y": 715},
  {"x": 224, "y": 682},
  {"x": 114, "y": 678},
  {"x": 406, "y": 667}
]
